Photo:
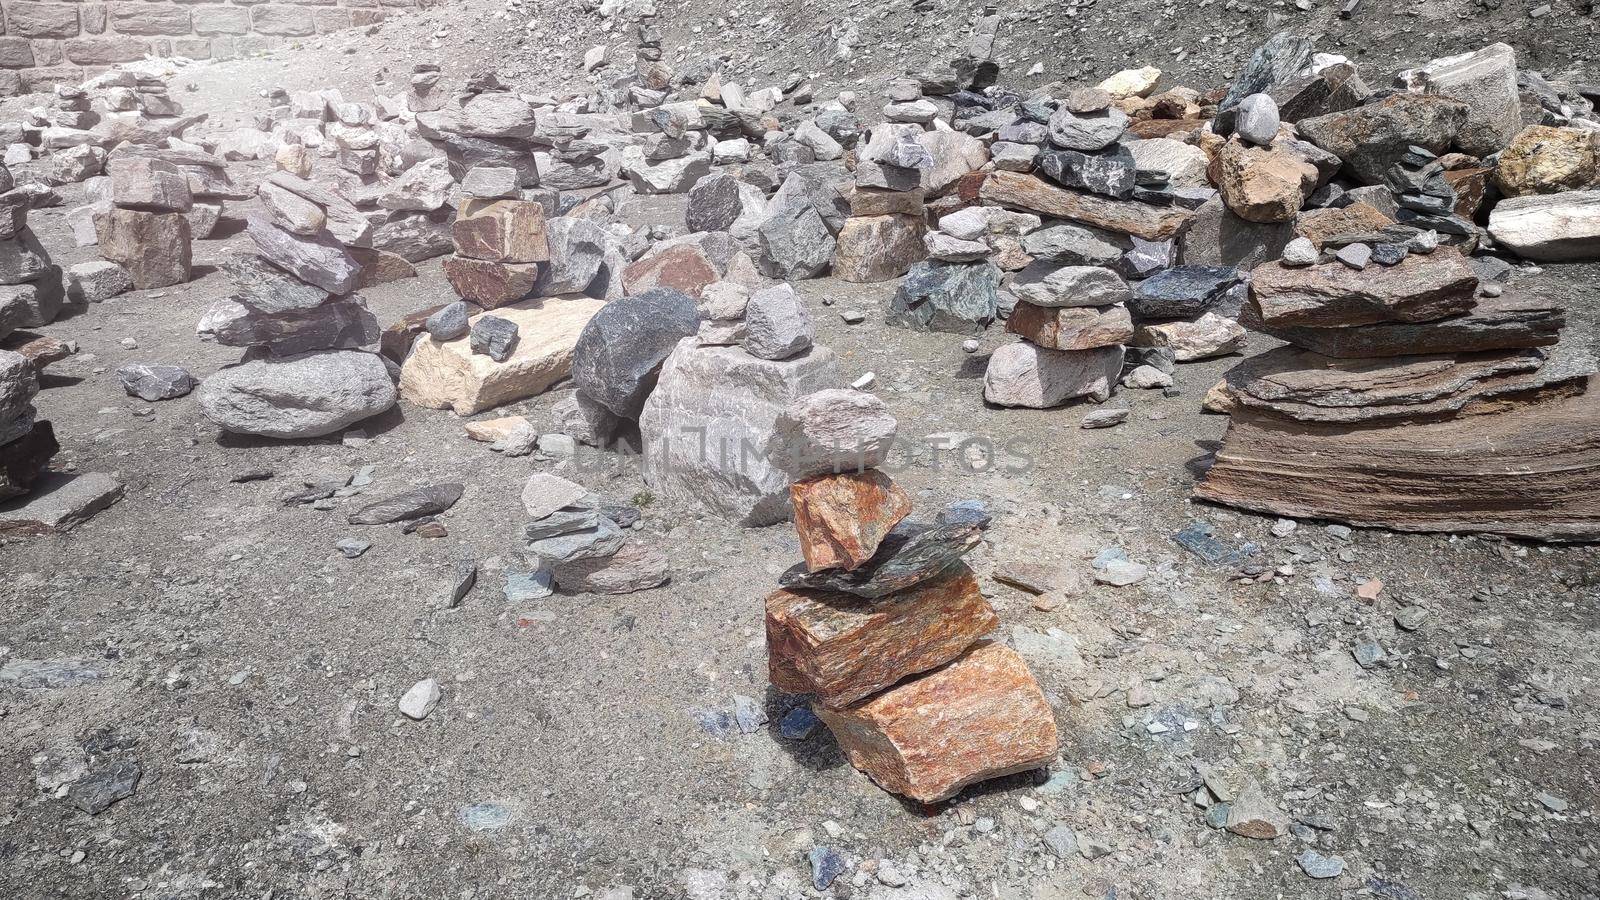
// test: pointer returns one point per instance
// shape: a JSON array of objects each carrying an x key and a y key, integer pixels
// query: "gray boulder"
[
  {"x": 153, "y": 383},
  {"x": 303, "y": 396},
  {"x": 777, "y": 325},
  {"x": 959, "y": 298},
  {"x": 621, "y": 349}
]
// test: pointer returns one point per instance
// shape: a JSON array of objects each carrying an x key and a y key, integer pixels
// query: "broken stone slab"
[
  {"x": 879, "y": 248},
  {"x": 1522, "y": 471},
  {"x": 683, "y": 267},
  {"x": 440, "y": 375},
  {"x": 1023, "y": 374},
  {"x": 490, "y": 284},
  {"x": 981, "y": 716},
  {"x": 717, "y": 202},
  {"x": 416, "y": 236},
  {"x": 59, "y": 503},
  {"x": 424, "y": 187},
  {"x": 1030, "y": 193},
  {"x": 844, "y": 648},
  {"x": 1495, "y": 323},
  {"x": 953, "y": 155},
  {"x": 634, "y": 567},
  {"x": 1562, "y": 227},
  {"x": 346, "y": 223},
  {"x": 318, "y": 259},
  {"x": 669, "y": 176},
  {"x": 301, "y": 396},
  {"x": 1075, "y": 245},
  {"x": 622, "y": 348},
  {"x": 832, "y": 430},
  {"x": 706, "y": 425},
  {"x": 1209, "y": 336},
  {"x": 843, "y": 518},
  {"x": 290, "y": 211},
  {"x": 959, "y": 298},
  {"x": 154, "y": 247},
  {"x": 1419, "y": 288},
  {"x": 429, "y": 500},
  {"x": 1049, "y": 285},
  {"x": 909, "y": 554},
  {"x": 543, "y": 494},
  {"x": 344, "y": 323},
  {"x": 267, "y": 288},
  {"x": 1071, "y": 328},
  {"x": 33, "y": 305},
  {"x": 493, "y": 337}
]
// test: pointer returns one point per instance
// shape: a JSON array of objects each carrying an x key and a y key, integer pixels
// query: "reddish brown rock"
[
  {"x": 490, "y": 284},
  {"x": 510, "y": 231},
  {"x": 1322, "y": 225},
  {"x": 842, "y": 518},
  {"x": 682, "y": 267},
  {"x": 1421, "y": 288},
  {"x": 878, "y": 248},
  {"x": 154, "y": 247},
  {"x": 1160, "y": 128},
  {"x": 844, "y": 648},
  {"x": 1072, "y": 327},
  {"x": 39, "y": 349},
  {"x": 981, "y": 717},
  {"x": 1026, "y": 192},
  {"x": 1471, "y": 185}
]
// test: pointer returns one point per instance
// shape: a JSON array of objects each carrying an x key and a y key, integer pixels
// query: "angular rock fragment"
[
  {"x": 844, "y": 649},
  {"x": 318, "y": 259},
  {"x": 507, "y": 231},
  {"x": 622, "y": 348},
  {"x": 344, "y": 323},
  {"x": 1418, "y": 289},
  {"x": 1562, "y": 227},
  {"x": 1209, "y": 336},
  {"x": 59, "y": 503},
  {"x": 841, "y": 519},
  {"x": 1373, "y": 138},
  {"x": 1495, "y": 323},
  {"x": 634, "y": 567},
  {"x": 878, "y": 248},
  {"x": 959, "y": 298},
  {"x": 490, "y": 284},
  {"x": 777, "y": 325},
  {"x": 1047, "y": 285},
  {"x": 910, "y": 554},
  {"x": 1182, "y": 292},
  {"x": 979, "y": 717},
  {"x": 832, "y": 430},
  {"x": 154, "y": 247},
  {"x": 154, "y": 383},
  {"x": 1026, "y": 192},
  {"x": 424, "y": 501},
  {"x": 1071, "y": 328},
  {"x": 1023, "y": 374}
]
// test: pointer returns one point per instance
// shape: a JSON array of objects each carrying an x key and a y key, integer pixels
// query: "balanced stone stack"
[
  {"x": 1188, "y": 312},
  {"x": 883, "y": 624},
  {"x": 31, "y": 288},
  {"x": 146, "y": 230},
  {"x": 582, "y": 544},
  {"x": 27, "y": 444},
  {"x": 675, "y": 154},
  {"x": 1073, "y": 321},
  {"x": 883, "y": 237},
  {"x": 1405, "y": 400},
  {"x": 522, "y": 281},
  {"x": 307, "y": 371}
]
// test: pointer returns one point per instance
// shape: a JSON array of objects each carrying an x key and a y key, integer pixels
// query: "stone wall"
[{"x": 43, "y": 44}]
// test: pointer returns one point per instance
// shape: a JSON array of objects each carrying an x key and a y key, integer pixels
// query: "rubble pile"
[
  {"x": 306, "y": 372},
  {"x": 582, "y": 543},
  {"x": 883, "y": 624}
]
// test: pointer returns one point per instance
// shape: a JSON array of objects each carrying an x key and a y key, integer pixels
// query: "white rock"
[{"x": 420, "y": 700}]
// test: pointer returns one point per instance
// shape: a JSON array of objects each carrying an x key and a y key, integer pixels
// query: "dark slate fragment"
[
  {"x": 105, "y": 785},
  {"x": 620, "y": 352},
  {"x": 424, "y": 501},
  {"x": 494, "y": 337},
  {"x": 152, "y": 383},
  {"x": 911, "y": 554},
  {"x": 1182, "y": 292},
  {"x": 959, "y": 298},
  {"x": 1111, "y": 173}
]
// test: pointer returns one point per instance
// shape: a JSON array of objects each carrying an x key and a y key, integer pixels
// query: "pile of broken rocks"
[{"x": 883, "y": 624}]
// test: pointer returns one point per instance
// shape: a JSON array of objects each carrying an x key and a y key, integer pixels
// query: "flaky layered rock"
[
  {"x": 841, "y": 519},
  {"x": 1496, "y": 323},
  {"x": 1019, "y": 191},
  {"x": 980, "y": 717},
  {"x": 1561, "y": 227},
  {"x": 1420, "y": 288},
  {"x": 843, "y": 648}
]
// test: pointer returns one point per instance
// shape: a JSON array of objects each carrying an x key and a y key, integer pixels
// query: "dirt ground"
[{"x": 252, "y": 671}]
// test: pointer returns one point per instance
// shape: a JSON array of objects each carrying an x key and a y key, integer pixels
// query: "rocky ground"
[{"x": 1423, "y": 705}]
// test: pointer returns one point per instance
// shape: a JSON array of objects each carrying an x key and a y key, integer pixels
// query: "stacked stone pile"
[
  {"x": 526, "y": 285},
  {"x": 883, "y": 624},
  {"x": 1406, "y": 400},
  {"x": 582, "y": 543},
  {"x": 1073, "y": 321},
  {"x": 146, "y": 230},
  {"x": 27, "y": 443},
  {"x": 307, "y": 370},
  {"x": 32, "y": 291}
]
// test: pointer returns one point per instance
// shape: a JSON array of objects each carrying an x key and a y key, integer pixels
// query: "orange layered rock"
[
  {"x": 844, "y": 648},
  {"x": 981, "y": 717},
  {"x": 509, "y": 231},
  {"x": 842, "y": 518}
]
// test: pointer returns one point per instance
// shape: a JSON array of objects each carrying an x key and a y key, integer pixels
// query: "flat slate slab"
[{"x": 59, "y": 503}]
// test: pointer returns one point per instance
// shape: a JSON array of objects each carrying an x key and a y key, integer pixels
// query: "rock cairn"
[
  {"x": 582, "y": 543},
  {"x": 295, "y": 308},
  {"x": 883, "y": 624},
  {"x": 32, "y": 291},
  {"x": 146, "y": 230}
]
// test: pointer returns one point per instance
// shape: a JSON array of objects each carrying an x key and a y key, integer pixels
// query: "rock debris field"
[{"x": 668, "y": 481}]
